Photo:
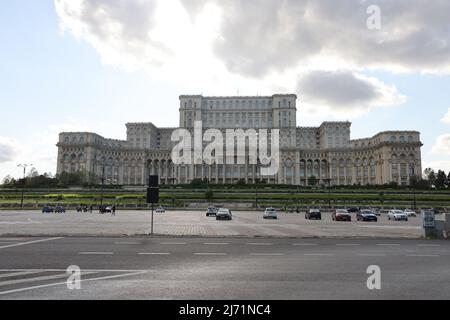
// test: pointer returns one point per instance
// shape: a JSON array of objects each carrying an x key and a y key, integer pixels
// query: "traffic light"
[
  {"x": 153, "y": 189},
  {"x": 152, "y": 195},
  {"x": 153, "y": 181}
]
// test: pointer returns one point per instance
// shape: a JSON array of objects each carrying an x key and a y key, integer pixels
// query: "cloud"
[
  {"x": 442, "y": 145},
  {"x": 255, "y": 38},
  {"x": 446, "y": 118},
  {"x": 345, "y": 91},
  {"x": 262, "y": 46},
  {"x": 8, "y": 149},
  {"x": 437, "y": 165}
]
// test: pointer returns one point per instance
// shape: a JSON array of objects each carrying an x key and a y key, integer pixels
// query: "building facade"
[{"x": 326, "y": 152}]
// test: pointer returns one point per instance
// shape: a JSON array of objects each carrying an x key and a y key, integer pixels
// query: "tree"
[
  {"x": 312, "y": 181},
  {"x": 7, "y": 180},
  {"x": 209, "y": 195},
  {"x": 33, "y": 173},
  {"x": 431, "y": 176},
  {"x": 71, "y": 179},
  {"x": 418, "y": 183},
  {"x": 441, "y": 180}
]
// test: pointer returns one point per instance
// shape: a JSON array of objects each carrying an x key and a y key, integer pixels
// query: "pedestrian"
[
  {"x": 113, "y": 211},
  {"x": 90, "y": 208}
]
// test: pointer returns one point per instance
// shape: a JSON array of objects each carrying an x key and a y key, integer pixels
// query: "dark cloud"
[
  {"x": 344, "y": 90},
  {"x": 258, "y": 36}
]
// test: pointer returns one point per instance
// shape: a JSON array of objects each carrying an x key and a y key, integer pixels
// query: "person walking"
[{"x": 113, "y": 211}]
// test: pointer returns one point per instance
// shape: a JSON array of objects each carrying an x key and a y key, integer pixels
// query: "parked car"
[
  {"x": 341, "y": 215},
  {"x": 376, "y": 211},
  {"x": 224, "y": 213},
  {"x": 47, "y": 209},
  {"x": 270, "y": 213},
  {"x": 313, "y": 213},
  {"x": 211, "y": 211},
  {"x": 82, "y": 209},
  {"x": 60, "y": 209},
  {"x": 107, "y": 209},
  {"x": 366, "y": 215},
  {"x": 410, "y": 213},
  {"x": 397, "y": 215},
  {"x": 160, "y": 209},
  {"x": 353, "y": 210}
]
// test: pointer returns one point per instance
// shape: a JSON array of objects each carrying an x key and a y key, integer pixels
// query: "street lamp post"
[
  {"x": 103, "y": 182},
  {"x": 24, "y": 166},
  {"x": 328, "y": 180}
]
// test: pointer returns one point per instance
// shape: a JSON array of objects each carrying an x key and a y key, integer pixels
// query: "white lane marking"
[
  {"x": 29, "y": 242},
  {"x": 127, "y": 242},
  {"x": 20, "y": 273},
  {"x": 42, "y": 278},
  {"x": 210, "y": 254},
  {"x": 319, "y": 254},
  {"x": 65, "y": 270},
  {"x": 428, "y": 245},
  {"x": 155, "y": 253},
  {"x": 347, "y": 244},
  {"x": 388, "y": 244},
  {"x": 267, "y": 254},
  {"x": 216, "y": 243},
  {"x": 173, "y": 243},
  {"x": 65, "y": 283},
  {"x": 422, "y": 255},
  {"x": 371, "y": 254},
  {"x": 97, "y": 253},
  {"x": 305, "y": 244},
  {"x": 259, "y": 244}
]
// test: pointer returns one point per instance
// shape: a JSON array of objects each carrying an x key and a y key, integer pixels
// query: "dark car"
[
  {"x": 223, "y": 213},
  {"x": 82, "y": 209},
  {"x": 353, "y": 210},
  {"x": 366, "y": 215},
  {"x": 47, "y": 209},
  {"x": 60, "y": 209},
  {"x": 313, "y": 213}
]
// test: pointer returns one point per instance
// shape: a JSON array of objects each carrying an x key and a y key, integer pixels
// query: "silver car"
[
  {"x": 224, "y": 213},
  {"x": 211, "y": 211},
  {"x": 397, "y": 215},
  {"x": 410, "y": 213},
  {"x": 270, "y": 213}
]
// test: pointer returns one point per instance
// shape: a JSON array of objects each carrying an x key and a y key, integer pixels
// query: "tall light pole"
[
  {"x": 24, "y": 166},
  {"x": 103, "y": 182}
]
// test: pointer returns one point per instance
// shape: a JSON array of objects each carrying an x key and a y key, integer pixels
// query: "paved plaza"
[{"x": 195, "y": 223}]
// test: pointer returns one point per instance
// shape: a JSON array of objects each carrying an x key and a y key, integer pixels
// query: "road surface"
[{"x": 223, "y": 268}]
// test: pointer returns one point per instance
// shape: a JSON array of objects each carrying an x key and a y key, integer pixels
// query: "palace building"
[{"x": 327, "y": 152}]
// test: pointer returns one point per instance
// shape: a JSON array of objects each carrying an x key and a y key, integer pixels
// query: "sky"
[{"x": 93, "y": 65}]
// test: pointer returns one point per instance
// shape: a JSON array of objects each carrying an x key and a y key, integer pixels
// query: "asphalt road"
[{"x": 223, "y": 268}]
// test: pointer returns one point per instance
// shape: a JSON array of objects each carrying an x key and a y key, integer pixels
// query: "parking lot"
[{"x": 195, "y": 223}]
